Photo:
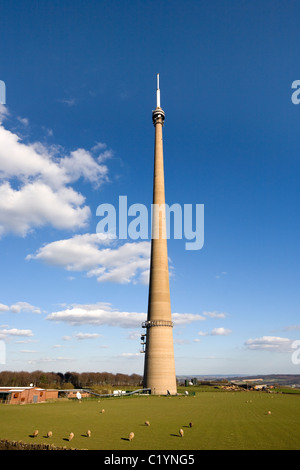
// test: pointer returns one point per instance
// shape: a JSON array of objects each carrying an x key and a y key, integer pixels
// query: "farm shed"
[{"x": 22, "y": 395}]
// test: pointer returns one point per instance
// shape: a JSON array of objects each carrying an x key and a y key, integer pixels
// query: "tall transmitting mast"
[{"x": 159, "y": 368}]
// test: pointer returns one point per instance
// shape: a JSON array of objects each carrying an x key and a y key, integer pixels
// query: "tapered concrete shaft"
[{"x": 159, "y": 371}]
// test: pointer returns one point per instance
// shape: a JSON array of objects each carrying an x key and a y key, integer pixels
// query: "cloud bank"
[
  {"x": 36, "y": 183},
  {"x": 98, "y": 257},
  {"x": 104, "y": 314},
  {"x": 270, "y": 343}
]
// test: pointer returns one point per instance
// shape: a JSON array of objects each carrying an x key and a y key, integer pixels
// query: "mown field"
[{"x": 221, "y": 421}]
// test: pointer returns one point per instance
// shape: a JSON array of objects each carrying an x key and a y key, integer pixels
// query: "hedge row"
[{"x": 20, "y": 445}]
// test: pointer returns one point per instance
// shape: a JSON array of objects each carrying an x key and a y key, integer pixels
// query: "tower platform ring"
[
  {"x": 150, "y": 323},
  {"x": 158, "y": 113}
]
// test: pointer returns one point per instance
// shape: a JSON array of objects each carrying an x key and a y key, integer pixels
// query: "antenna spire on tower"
[
  {"x": 157, "y": 93},
  {"x": 158, "y": 112}
]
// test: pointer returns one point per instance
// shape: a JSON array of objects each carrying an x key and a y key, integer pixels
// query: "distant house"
[{"x": 23, "y": 395}]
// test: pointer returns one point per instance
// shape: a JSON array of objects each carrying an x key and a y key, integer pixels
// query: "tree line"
[{"x": 60, "y": 380}]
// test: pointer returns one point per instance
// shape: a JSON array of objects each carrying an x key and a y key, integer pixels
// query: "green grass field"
[{"x": 228, "y": 420}]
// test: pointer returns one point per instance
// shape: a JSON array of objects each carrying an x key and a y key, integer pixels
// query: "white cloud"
[
  {"x": 68, "y": 102},
  {"x": 79, "y": 253},
  {"x": 144, "y": 277},
  {"x": 43, "y": 360},
  {"x": 180, "y": 341},
  {"x": 97, "y": 314},
  {"x": 4, "y": 308},
  {"x": 270, "y": 343},
  {"x": 81, "y": 163},
  {"x": 27, "y": 161},
  {"x": 82, "y": 336},
  {"x": 221, "y": 331},
  {"x": 99, "y": 146},
  {"x": 26, "y": 341},
  {"x": 19, "y": 307},
  {"x": 16, "y": 332},
  {"x": 130, "y": 355},
  {"x": 292, "y": 327},
  {"x": 37, "y": 205},
  {"x": 184, "y": 318},
  {"x": 216, "y": 332},
  {"x": 24, "y": 121},
  {"x": 3, "y": 112},
  {"x": 134, "y": 335},
  {"x": 214, "y": 314},
  {"x": 92, "y": 254},
  {"x": 222, "y": 274},
  {"x": 35, "y": 183},
  {"x": 104, "y": 314},
  {"x": 104, "y": 154}
]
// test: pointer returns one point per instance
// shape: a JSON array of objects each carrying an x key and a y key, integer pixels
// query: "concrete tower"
[{"x": 159, "y": 371}]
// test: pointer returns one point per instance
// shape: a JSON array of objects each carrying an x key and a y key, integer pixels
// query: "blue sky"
[{"x": 76, "y": 132}]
